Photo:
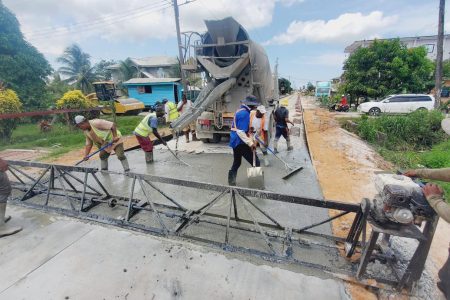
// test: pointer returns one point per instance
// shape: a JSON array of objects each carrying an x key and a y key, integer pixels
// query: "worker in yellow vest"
[
  {"x": 171, "y": 111},
  {"x": 148, "y": 125},
  {"x": 259, "y": 126},
  {"x": 101, "y": 132}
]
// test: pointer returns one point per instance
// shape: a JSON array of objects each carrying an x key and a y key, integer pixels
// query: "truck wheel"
[
  {"x": 374, "y": 111},
  {"x": 206, "y": 141},
  {"x": 216, "y": 138}
]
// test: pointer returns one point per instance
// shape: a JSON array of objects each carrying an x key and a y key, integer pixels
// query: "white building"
[
  {"x": 149, "y": 67},
  {"x": 430, "y": 43}
]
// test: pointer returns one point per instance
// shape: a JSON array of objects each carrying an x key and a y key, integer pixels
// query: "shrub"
[
  {"x": 9, "y": 103},
  {"x": 417, "y": 130},
  {"x": 75, "y": 100}
]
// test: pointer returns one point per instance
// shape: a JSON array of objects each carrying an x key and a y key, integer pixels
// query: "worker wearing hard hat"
[
  {"x": 171, "y": 111},
  {"x": 281, "y": 116},
  {"x": 435, "y": 196},
  {"x": 101, "y": 133},
  {"x": 148, "y": 125},
  {"x": 259, "y": 126}
]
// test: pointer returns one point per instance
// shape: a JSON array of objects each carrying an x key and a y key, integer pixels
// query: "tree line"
[
  {"x": 388, "y": 67},
  {"x": 25, "y": 70}
]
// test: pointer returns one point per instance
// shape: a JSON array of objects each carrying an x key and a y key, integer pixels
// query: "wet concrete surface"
[
  {"x": 56, "y": 257},
  {"x": 211, "y": 165}
]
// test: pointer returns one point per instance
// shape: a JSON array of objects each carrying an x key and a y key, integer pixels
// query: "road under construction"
[{"x": 285, "y": 227}]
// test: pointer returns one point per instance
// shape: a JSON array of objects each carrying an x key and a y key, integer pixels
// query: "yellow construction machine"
[{"x": 105, "y": 91}]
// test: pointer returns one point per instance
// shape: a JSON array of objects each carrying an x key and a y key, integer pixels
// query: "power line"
[
  {"x": 51, "y": 29},
  {"x": 95, "y": 25}
]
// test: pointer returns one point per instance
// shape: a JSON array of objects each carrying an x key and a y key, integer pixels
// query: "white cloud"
[
  {"x": 290, "y": 2},
  {"x": 51, "y": 25},
  {"x": 345, "y": 28}
]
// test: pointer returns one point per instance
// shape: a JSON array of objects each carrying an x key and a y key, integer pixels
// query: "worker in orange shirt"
[{"x": 259, "y": 126}]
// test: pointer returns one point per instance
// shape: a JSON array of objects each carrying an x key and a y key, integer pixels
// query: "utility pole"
[
  {"x": 439, "y": 56},
  {"x": 180, "y": 47},
  {"x": 276, "y": 88}
]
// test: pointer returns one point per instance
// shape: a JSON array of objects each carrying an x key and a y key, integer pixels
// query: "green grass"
[
  {"x": 61, "y": 139},
  {"x": 437, "y": 157},
  {"x": 422, "y": 146}
]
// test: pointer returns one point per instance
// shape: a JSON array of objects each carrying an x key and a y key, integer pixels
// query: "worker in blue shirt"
[{"x": 242, "y": 144}]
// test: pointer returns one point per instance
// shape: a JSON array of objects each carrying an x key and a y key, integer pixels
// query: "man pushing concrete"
[
  {"x": 5, "y": 191},
  {"x": 101, "y": 133},
  {"x": 240, "y": 140},
  {"x": 148, "y": 125}
]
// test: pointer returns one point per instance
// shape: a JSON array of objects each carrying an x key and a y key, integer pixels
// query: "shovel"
[{"x": 255, "y": 175}]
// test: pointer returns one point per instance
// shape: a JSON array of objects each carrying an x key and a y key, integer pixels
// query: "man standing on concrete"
[
  {"x": 281, "y": 116},
  {"x": 259, "y": 126},
  {"x": 5, "y": 191},
  {"x": 148, "y": 125},
  {"x": 171, "y": 111},
  {"x": 182, "y": 107},
  {"x": 101, "y": 133},
  {"x": 435, "y": 196},
  {"x": 240, "y": 140}
]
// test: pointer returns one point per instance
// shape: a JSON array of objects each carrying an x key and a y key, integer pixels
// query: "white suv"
[{"x": 400, "y": 104}]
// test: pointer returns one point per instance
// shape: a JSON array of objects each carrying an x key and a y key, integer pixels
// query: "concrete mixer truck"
[{"x": 234, "y": 67}]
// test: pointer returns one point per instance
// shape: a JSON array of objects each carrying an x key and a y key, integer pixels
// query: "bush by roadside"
[
  {"x": 419, "y": 130},
  {"x": 9, "y": 103}
]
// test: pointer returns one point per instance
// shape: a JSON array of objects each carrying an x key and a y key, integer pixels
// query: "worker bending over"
[
  {"x": 435, "y": 196},
  {"x": 259, "y": 126},
  {"x": 5, "y": 191},
  {"x": 171, "y": 111},
  {"x": 183, "y": 107},
  {"x": 101, "y": 133},
  {"x": 240, "y": 140},
  {"x": 281, "y": 117},
  {"x": 142, "y": 132}
]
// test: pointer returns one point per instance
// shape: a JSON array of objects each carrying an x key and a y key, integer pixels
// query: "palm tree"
[
  {"x": 77, "y": 68},
  {"x": 127, "y": 70}
]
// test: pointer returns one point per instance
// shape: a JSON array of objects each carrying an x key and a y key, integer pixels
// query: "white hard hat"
[
  {"x": 79, "y": 119},
  {"x": 446, "y": 125},
  {"x": 261, "y": 109}
]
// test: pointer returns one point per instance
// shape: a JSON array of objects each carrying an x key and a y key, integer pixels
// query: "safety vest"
[
  {"x": 105, "y": 135},
  {"x": 173, "y": 111},
  {"x": 143, "y": 129},
  {"x": 261, "y": 134}
]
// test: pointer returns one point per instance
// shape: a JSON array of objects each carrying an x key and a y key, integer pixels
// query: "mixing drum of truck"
[{"x": 234, "y": 67}]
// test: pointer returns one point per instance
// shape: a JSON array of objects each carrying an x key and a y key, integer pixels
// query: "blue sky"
[{"x": 308, "y": 36}]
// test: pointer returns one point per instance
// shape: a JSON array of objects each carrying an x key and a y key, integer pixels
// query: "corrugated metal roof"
[
  {"x": 151, "y": 80},
  {"x": 155, "y": 61}
]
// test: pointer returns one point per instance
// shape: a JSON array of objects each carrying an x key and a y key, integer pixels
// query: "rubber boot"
[
  {"x": 231, "y": 178},
  {"x": 289, "y": 147},
  {"x": 104, "y": 164},
  {"x": 126, "y": 167},
  {"x": 5, "y": 229},
  {"x": 266, "y": 161},
  {"x": 149, "y": 157},
  {"x": 187, "y": 136},
  {"x": 275, "y": 146}
]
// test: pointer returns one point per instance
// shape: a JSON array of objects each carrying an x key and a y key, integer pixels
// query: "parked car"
[{"x": 397, "y": 104}]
